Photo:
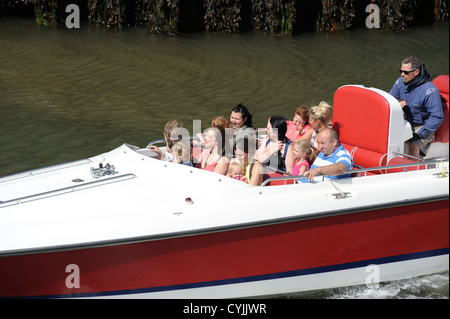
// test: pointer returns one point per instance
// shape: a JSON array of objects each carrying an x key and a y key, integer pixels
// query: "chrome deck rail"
[
  {"x": 161, "y": 140},
  {"x": 66, "y": 190},
  {"x": 358, "y": 172}
]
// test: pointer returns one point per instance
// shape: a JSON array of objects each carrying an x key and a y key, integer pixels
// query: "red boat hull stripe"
[{"x": 286, "y": 274}]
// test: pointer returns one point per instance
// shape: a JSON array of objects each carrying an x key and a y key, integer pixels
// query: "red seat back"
[
  {"x": 442, "y": 133},
  {"x": 361, "y": 118}
]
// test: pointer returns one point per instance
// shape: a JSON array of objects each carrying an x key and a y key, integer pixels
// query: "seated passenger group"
[{"x": 232, "y": 149}]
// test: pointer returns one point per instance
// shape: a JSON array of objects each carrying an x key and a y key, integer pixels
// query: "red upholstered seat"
[
  {"x": 278, "y": 182},
  {"x": 442, "y": 133},
  {"x": 361, "y": 118}
]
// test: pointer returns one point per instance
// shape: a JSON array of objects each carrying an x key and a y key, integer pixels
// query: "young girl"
[
  {"x": 237, "y": 171},
  {"x": 181, "y": 152},
  {"x": 304, "y": 155}
]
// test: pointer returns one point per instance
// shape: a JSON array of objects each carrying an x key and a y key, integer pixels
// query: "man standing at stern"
[{"x": 421, "y": 104}]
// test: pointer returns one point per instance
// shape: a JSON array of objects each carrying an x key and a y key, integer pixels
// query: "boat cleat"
[{"x": 102, "y": 170}]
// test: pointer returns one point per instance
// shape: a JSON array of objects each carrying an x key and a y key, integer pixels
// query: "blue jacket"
[{"x": 424, "y": 101}]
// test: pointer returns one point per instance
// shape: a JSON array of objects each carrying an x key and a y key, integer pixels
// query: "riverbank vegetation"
[{"x": 275, "y": 17}]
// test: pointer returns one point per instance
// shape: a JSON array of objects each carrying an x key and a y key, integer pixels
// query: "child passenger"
[
  {"x": 236, "y": 170},
  {"x": 244, "y": 150},
  {"x": 304, "y": 155},
  {"x": 173, "y": 133},
  {"x": 181, "y": 152}
]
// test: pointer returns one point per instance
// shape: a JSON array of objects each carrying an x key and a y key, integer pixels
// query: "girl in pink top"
[{"x": 304, "y": 154}]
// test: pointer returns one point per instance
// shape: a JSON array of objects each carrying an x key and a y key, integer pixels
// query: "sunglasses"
[{"x": 406, "y": 72}]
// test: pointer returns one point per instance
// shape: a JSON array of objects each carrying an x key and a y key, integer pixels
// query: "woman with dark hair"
[
  {"x": 240, "y": 118},
  {"x": 241, "y": 123},
  {"x": 275, "y": 151}
]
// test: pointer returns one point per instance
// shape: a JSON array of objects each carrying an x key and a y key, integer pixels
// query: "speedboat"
[{"x": 125, "y": 224}]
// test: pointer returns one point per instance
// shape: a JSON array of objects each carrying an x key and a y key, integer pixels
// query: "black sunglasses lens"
[{"x": 406, "y": 72}]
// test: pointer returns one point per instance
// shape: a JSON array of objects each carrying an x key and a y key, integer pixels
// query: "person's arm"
[
  {"x": 157, "y": 151},
  {"x": 264, "y": 152},
  {"x": 290, "y": 159},
  {"x": 395, "y": 90},
  {"x": 222, "y": 166},
  {"x": 308, "y": 134},
  {"x": 333, "y": 169},
  {"x": 302, "y": 170},
  {"x": 433, "y": 104}
]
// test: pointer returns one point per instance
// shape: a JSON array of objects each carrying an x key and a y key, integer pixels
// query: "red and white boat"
[{"x": 153, "y": 229}]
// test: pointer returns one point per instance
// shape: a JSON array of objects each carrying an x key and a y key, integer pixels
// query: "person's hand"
[
  {"x": 415, "y": 137},
  {"x": 402, "y": 103},
  {"x": 311, "y": 173},
  {"x": 274, "y": 147},
  {"x": 157, "y": 151},
  {"x": 280, "y": 145}
]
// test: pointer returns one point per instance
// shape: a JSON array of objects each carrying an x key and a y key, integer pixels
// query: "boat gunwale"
[
  {"x": 359, "y": 171},
  {"x": 217, "y": 229}
]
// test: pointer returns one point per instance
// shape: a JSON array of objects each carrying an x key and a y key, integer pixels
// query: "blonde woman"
[{"x": 319, "y": 117}]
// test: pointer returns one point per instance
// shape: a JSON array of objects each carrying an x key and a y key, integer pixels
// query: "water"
[
  {"x": 434, "y": 286},
  {"x": 70, "y": 94}
]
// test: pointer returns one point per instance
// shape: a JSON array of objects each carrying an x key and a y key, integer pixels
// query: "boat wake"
[{"x": 434, "y": 286}]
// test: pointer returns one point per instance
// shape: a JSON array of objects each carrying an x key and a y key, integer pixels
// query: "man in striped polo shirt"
[{"x": 333, "y": 159}]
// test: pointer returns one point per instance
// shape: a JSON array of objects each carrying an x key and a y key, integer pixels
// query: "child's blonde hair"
[
  {"x": 236, "y": 164},
  {"x": 173, "y": 132},
  {"x": 181, "y": 151},
  {"x": 306, "y": 147}
]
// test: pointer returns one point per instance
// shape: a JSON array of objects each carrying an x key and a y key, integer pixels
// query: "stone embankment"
[{"x": 276, "y": 17}]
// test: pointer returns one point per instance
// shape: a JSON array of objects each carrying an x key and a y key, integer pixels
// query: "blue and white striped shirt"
[{"x": 340, "y": 155}]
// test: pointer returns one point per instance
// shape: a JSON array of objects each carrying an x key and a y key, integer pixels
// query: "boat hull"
[{"x": 348, "y": 248}]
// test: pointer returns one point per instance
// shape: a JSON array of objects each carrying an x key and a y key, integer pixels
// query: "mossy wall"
[{"x": 276, "y": 17}]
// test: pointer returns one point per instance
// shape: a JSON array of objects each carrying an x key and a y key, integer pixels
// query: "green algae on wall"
[{"x": 275, "y": 17}]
